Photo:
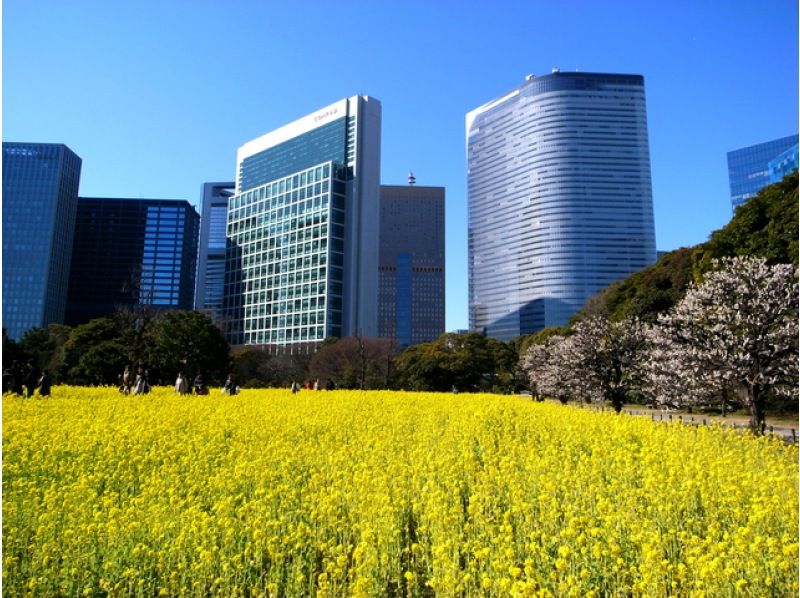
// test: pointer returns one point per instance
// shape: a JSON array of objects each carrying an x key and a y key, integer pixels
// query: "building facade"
[
  {"x": 559, "y": 198},
  {"x": 210, "y": 285},
  {"x": 40, "y": 197},
  {"x": 411, "y": 264},
  {"x": 131, "y": 252},
  {"x": 784, "y": 163},
  {"x": 754, "y": 167},
  {"x": 302, "y": 255}
]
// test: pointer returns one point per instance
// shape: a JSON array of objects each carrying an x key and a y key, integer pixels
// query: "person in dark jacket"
[
  {"x": 31, "y": 379},
  {"x": 45, "y": 382}
]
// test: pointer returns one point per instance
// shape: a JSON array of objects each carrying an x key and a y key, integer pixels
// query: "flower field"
[{"x": 385, "y": 494}]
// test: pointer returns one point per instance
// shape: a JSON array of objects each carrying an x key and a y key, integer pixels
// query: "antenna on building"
[{"x": 411, "y": 178}]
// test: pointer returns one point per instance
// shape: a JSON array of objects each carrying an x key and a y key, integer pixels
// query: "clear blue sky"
[{"x": 157, "y": 95}]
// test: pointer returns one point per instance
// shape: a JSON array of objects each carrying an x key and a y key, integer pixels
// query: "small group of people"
[
  {"x": 32, "y": 379},
  {"x": 311, "y": 386},
  {"x": 137, "y": 384},
  {"x": 199, "y": 387}
]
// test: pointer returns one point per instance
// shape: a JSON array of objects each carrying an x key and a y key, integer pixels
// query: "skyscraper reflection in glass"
[
  {"x": 756, "y": 166},
  {"x": 40, "y": 197},
  {"x": 559, "y": 197}
]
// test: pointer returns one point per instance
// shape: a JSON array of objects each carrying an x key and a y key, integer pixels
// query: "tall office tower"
[
  {"x": 411, "y": 264},
  {"x": 131, "y": 252},
  {"x": 40, "y": 197},
  {"x": 210, "y": 285},
  {"x": 559, "y": 195},
  {"x": 302, "y": 257},
  {"x": 749, "y": 168}
]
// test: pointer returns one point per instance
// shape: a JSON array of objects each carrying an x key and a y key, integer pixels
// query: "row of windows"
[
  {"x": 286, "y": 336},
  {"x": 277, "y": 302}
]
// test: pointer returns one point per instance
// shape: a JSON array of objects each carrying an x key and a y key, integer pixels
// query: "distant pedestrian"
[
  {"x": 182, "y": 384},
  {"x": 19, "y": 378},
  {"x": 199, "y": 385},
  {"x": 316, "y": 384},
  {"x": 230, "y": 387},
  {"x": 295, "y": 388},
  {"x": 141, "y": 386},
  {"x": 31, "y": 379},
  {"x": 8, "y": 380},
  {"x": 126, "y": 381},
  {"x": 45, "y": 382}
]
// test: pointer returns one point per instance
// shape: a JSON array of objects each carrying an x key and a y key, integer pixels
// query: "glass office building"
[
  {"x": 40, "y": 197},
  {"x": 302, "y": 236},
  {"x": 749, "y": 168},
  {"x": 210, "y": 285},
  {"x": 559, "y": 198},
  {"x": 411, "y": 264},
  {"x": 783, "y": 164},
  {"x": 131, "y": 252}
]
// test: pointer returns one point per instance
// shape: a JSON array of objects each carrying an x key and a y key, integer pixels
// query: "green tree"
[
  {"x": 766, "y": 226},
  {"x": 93, "y": 353},
  {"x": 46, "y": 347},
  {"x": 646, "y": 293},
  {"x": 468, "y": 362},
  {"x": 186, "y": 341}
]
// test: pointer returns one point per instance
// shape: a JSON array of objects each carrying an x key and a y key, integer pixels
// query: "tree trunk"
[{"x": 755, "y": 399}]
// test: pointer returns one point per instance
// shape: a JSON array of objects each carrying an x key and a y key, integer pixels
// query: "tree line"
[{"x": 682, "y": 332}]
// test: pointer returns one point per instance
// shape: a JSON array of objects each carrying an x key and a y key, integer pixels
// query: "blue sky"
[{"x": 156, "y": 96}]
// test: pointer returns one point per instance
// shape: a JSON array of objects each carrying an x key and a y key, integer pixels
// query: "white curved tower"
[{"x": 560, "y": 198}]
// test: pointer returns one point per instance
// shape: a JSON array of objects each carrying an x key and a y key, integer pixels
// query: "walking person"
[
  {"x": 141, "y": 386},
  {"x": 127, "y": 381},
  {"x": 230, "y": 387},
  {"x": 199, "y": 385},
  {"x": 19, "y": 378},
  {"x": 31, "y": 379},
  {"x": 182, "y": 384},
  {"x": 295, "y": 388},
  {"x": 8, "y": 380},
  {"x": 45, "y": 383}
]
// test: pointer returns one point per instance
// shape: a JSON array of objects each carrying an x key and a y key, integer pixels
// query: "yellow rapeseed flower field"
[{"x": 385, "y": 494}]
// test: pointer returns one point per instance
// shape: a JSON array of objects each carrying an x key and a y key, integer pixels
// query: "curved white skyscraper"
[{"x": 560, "y": 198}]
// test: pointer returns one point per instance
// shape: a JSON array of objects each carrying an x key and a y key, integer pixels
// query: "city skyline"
[{"x": 138, "y": 109}]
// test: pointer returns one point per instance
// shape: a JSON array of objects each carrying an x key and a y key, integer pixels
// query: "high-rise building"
[
  {"x": 559, "y": 195},
  {"x": 40, "y": 196},
  {"x": 302, "y": 256},
  {"x": 411, "y": 264},
  {"x": 756, "y": 166},
  {"x": 131, "y": 252},
  {"x": 210, "y": 285}
]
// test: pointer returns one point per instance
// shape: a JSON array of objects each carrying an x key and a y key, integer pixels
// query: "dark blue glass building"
[
  {"x": 40, "y": 196},
  {"x": 130, "y": 252},
  {"x": 750, "y": 168},
  {"x": 411, "y": 264}
]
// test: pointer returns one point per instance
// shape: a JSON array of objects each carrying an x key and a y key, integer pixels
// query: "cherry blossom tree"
[
  {"x": 600, "y": 360},
  {"x": 735, "y": 331}
]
